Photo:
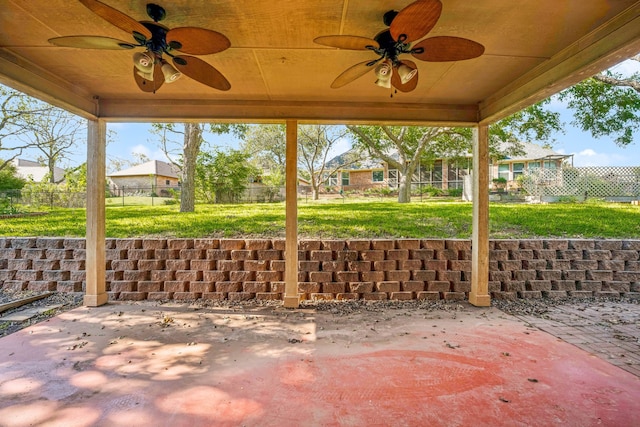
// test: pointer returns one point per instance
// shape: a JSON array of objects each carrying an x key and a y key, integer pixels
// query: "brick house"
[
  {"x": 442, "y": 173},
  {"x": 153, "y": 176},
  {"x": 531, "y": 157}
]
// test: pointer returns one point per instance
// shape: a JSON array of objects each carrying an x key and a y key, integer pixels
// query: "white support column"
[
  {"x": 95, "y": 293},
  {"x": 291, "y": 297},
  {"x": 479, "y": 295}
]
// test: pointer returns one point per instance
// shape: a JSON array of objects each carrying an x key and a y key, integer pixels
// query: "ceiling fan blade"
[
  {"x": 149, "y": 85},
  {"x": 445, "y": 48},
  {"x": 416, "y": 20},
  {"x": 352, "y": 73},
  {"x": 200, "y": 71},
  {"x": 347, "y": 42},
  {"x": 117, "y": 18},
  {"x": 91, "y": 42},
  {"x": 411, "y": 84},
  {"x": 197, "y": 41}
]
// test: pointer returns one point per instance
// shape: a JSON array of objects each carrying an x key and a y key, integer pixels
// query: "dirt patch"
[{"x": 529, "y": 307}]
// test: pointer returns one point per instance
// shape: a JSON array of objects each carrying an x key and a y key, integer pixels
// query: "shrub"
[
  {"x": 455, "y": 192},
  {"x": 431, "y": 191},
  {"x": 379, "y": 191}
]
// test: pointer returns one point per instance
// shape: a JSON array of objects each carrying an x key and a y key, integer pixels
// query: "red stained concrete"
[{"x": 147, "y": 365}]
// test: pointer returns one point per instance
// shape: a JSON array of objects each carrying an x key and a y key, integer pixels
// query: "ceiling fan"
[
  {"x": 150, "y": 68},
  {"x": 410, "y": 24}
]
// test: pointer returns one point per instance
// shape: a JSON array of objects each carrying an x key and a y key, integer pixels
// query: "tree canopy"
[
  {"x": 30, "y": 125},
  {"x": 607, "y": 104}
]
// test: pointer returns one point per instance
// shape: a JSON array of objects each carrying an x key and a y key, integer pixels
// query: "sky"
[
  {"x": 130, "y": 139},
  {"x": 586, "y": 150}
]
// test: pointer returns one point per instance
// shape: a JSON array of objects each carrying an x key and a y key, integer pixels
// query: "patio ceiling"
[{"x": 533, "y": 48}]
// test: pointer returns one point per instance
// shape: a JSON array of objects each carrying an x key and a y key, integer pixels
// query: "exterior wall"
[
  {"x": 236, "y": 269},
  {"x": 494, "y": 168},
  {"x": 361, "y": 180},
  {"x": 143, "y": 181}
]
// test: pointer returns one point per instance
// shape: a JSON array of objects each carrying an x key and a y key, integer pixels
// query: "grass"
[{"x": 338, "y": 219}]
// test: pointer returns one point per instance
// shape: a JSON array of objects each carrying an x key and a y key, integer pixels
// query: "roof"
[
  {"x": 276, "y": 72},
  {"x": 153, "y": 167},
  {"x": 35, "y": 171},
  {"x": 366, "y": 162},
  {"x": 532, "y": 151}
]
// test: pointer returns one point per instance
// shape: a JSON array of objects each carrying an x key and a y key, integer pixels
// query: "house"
[
  {"x": 442, "y": 173},
  {"x": 153, "y": 176},
  {"x": 532, "y": 157},
  {"x": 36, "y": 171}
]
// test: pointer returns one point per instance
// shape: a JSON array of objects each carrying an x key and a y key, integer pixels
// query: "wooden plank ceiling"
[{"x": 533, "y": 48}]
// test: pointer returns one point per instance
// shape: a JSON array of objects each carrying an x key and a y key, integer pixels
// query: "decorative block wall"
[{"x": 243, "y": 269}]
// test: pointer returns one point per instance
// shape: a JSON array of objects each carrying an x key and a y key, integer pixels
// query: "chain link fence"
[{"x": 11, "y": 201}]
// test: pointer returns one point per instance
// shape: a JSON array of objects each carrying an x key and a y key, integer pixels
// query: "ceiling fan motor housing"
[{"x": 390, "y": 48}]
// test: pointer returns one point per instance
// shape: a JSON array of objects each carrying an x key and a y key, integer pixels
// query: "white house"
[{"x": 36, "y": 172}]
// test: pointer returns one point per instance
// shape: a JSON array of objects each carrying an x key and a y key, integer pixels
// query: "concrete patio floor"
[{"x": 176, "y": 365}]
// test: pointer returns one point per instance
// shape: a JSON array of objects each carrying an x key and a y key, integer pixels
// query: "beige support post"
[
  {"x": 95, "y": 293},
  {"x": 291, "y": 297},
  {"x": 479, "y": 295}
]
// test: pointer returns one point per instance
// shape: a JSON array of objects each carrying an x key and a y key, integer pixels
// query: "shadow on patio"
[{"x": 148, "y": 364}]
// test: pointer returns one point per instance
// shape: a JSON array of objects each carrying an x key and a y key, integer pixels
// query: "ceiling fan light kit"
[
  {"x": 170, "y": 73},
  {"x": 144, "y": 61},
  {"x": 158, "y": 42},
  {"x": 406, "y": 73},
  {"x": 384, "y": 71},
  {"x": 406, "y": 29}
]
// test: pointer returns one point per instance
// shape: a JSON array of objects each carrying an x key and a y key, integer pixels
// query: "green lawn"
[{"x": 337, "y": 219}]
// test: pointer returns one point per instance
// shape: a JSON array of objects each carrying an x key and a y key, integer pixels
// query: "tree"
[
  {"x": 9, "y": 179},
  {"x": 184, "y": 155},
  {"x": 16, "y": 109},
  {"x": 223, "y": 176},
  {"x": 266, "y": 144},
  {"x": 315, "y": 143},
  {"x": 267, "y": 147},
  {"x": 53, "y": 132},
  {"x": 405, "y": 147},
  {"x": 607, "y": 104},
  {"x": 76, "y": 178}
]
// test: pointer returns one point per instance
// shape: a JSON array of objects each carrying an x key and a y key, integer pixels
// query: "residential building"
[
  {"x": 153, "y": 176},
  {"x": 36, "y": 171},
  {"x": 442, "y": 173},
  {"x": 532, "y": 157}
]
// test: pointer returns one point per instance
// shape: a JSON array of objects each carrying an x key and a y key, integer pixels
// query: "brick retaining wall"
[{"x": 235, "y": 269}]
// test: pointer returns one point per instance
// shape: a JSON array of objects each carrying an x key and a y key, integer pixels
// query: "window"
[
  {"x": 550, "y": 164},
  {"x": 518, "y": 169},
  {"x": 503, "y": 171},
  {"x": 345, "y": 178},
  {"x": 377, "y": 176},
  {"x": 456, "y": 172},
  {"x": 167, "y": 182},
  {"x": 333, "y": 179},
  {"x": 533, "y": 166},
  {"x": 393, "y": 178}
]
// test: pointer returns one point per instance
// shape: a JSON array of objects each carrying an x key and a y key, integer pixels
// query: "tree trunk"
[
  {"x": 52, "y": 171},
  {"x": 404, "y": 187},
  {"x": 315, "y": 193},
  {"x": 192, "y": 142}
]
